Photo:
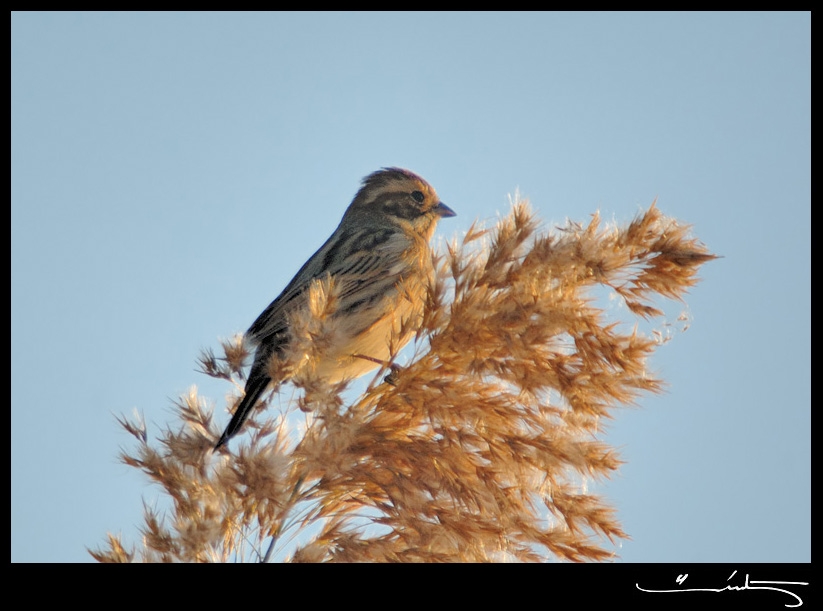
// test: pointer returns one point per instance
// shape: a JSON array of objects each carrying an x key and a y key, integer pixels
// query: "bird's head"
[{"x": 398, "y": 197}]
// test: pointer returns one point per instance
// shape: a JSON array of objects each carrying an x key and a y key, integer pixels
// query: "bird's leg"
[{"x": 391, "y": 377}]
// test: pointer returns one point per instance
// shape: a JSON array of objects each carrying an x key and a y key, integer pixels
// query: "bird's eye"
[{"x": 418, "y": 196}]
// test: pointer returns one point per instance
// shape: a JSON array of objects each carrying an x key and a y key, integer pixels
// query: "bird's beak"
[{"x": 443, "y": 211}]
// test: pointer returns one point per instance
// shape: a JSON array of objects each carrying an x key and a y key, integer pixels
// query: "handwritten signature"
[{"x": 747, "y": 585}]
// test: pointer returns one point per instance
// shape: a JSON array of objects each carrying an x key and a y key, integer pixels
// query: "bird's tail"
[{"x": 256, "y": 386}]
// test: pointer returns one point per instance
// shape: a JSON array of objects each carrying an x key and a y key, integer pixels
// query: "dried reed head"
[{"x": 476, "y": 451}]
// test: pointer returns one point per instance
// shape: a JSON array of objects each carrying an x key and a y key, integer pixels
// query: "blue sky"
[{"x": 171, "y": 172}]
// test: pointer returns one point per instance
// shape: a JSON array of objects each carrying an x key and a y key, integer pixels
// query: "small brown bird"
[{"x": 379, "y": 259}]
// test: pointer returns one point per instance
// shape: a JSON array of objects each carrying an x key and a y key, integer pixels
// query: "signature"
[{"x": 747, "y": 585}]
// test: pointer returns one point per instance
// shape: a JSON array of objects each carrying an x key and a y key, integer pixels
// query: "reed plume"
[{"x": 478, "y": 449}]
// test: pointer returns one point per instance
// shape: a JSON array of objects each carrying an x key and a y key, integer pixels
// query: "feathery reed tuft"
[{"x": 478, "y": 450}]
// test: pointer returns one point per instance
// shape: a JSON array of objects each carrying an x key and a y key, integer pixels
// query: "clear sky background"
[{"x": 171, "y": 172}]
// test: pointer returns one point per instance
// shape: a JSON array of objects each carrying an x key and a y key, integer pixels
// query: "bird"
[{"x": 379, "y": 259}]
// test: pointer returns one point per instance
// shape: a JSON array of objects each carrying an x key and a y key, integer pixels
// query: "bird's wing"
[{"x": 363, "y": 264}]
